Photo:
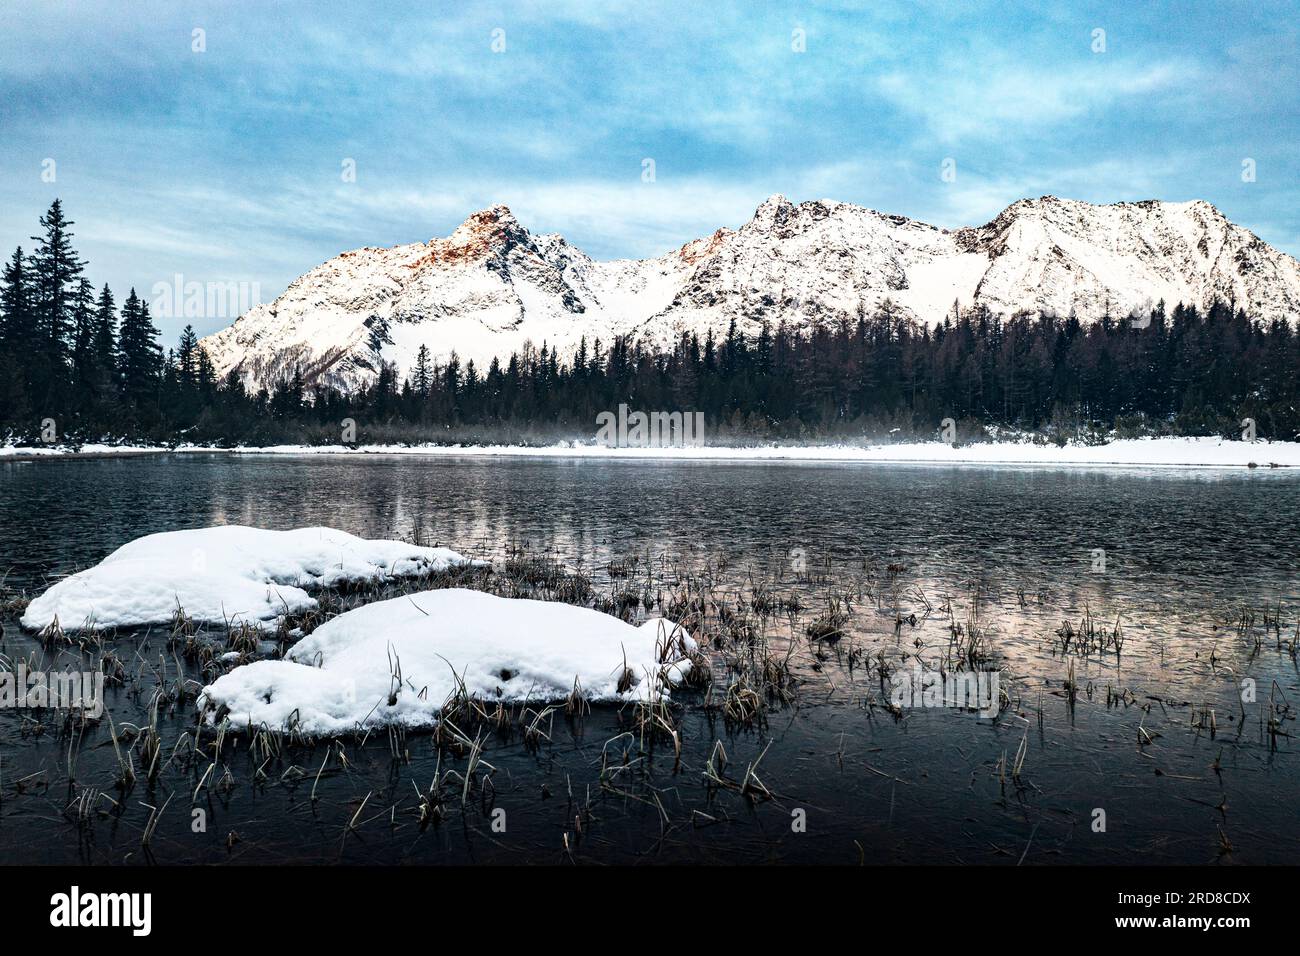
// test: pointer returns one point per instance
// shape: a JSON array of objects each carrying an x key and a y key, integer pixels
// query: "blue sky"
[{"x": 225, "y": 165}]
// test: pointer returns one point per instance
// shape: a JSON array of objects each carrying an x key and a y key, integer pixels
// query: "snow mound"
[
  {"x": 227, "y": 573},
  {"x": 345, "y": 674}
]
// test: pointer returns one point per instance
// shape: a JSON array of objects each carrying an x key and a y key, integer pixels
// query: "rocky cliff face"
[{"x": 491, "y": 286}]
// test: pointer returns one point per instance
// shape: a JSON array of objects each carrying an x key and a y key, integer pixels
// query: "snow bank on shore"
[
  {"x": 1122, "y": 453},
  {"x": 392, "y": 662},
  {"x": 93, "y": 450},
  {"x": 225, "y": 573},
  {"x": 1119, "y": 453}
]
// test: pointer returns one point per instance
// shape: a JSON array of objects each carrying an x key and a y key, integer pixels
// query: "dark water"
[{"x": 1185, "y": 554}]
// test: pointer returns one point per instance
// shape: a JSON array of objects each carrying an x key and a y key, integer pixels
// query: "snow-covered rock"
[
  {"x": 345, "y": 675},
  {"x": 227, "y": 573},
  {"x": 492, "y": 286}
]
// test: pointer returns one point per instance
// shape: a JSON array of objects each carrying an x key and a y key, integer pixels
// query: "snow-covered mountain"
[{"x": 491, "y": 286}]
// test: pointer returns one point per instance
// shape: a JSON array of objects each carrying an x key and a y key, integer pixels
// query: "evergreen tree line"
[
  {"x": 70, "y": 356},
  {"x": 99, "y": 372}
]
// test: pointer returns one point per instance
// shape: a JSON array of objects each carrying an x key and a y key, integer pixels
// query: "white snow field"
[
  {"x": 226, "y": 573},
  {"x": 1152, "y": 452},
  {"x": 422, "y": 646},
  {"x": 1119, "y": 453}
]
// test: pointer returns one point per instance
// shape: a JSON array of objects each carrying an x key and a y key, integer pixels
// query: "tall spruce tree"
[
  {"x": 140, "y": 356},
  {"x": 104, "y": 343},
  {"x": 187, "y": 358},
  {"x": 206, "y": 376},
  {"x": 17, "y": 339},
  {"x": 55, "y": 273},
  {"x": 83, "y": 333},
  {"x": 17, "y": 320},
  {"x": 422, "y": 374}
]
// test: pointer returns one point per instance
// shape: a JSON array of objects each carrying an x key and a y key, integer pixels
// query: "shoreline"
[
  {"x": 1180, "y": 453},
  {"x": 29, "y": 453}
]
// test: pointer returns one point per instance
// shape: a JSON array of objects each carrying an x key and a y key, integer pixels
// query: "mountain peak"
[
  {"x": 495, "y": 220},
  {"x": 774, "y": 215},
  {"x": 490, "y": 231},
  {"x": 774, "y": 205}
]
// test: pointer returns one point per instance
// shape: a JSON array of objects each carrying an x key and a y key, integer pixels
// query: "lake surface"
[{"x": 1176, "y": 557}]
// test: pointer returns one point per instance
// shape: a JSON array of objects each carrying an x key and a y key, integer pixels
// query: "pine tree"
[
  {"x": 169, "y": 392},
  {"x": 423, "y": 372},
  {"x": 17, "y": 320},
  {"x": 207, "y": 375},
  {"x": 451, "y": 377},
  {"x": 104, "y": 344},
  {"x": 55, "y": 271},
  {"x": 141, "y": 359},
  {"x": 17, "y": 339},
  {"x": 187, "y": 358},
  {"x": 83, "y": 331}
]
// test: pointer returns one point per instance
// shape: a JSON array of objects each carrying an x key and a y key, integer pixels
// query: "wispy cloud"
[{"x": 987, "y": 97}]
